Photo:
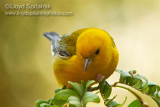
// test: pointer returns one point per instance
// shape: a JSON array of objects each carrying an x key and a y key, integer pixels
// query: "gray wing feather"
[{"x": 54, "y": 39}]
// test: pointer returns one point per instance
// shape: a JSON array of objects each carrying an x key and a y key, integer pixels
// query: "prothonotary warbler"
[{"x": 82, "y": 55}]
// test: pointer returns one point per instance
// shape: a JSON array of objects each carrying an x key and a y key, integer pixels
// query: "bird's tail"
[{"x": 54, "y": 39}]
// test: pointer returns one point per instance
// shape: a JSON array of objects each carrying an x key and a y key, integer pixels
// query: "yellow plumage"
[{"x": 92, "y": 44}]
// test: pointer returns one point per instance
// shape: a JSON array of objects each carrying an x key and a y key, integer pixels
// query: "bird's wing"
[
  {"x": 68, "y": 42},
  {"x": 65, "y": 45},
  {"x": 54, "y": 39}
]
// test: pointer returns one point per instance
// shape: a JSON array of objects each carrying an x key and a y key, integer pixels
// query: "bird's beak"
[{"x": 87, "y": 62}]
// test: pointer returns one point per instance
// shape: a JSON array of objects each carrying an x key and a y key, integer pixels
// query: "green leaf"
[
  {"x": 118, "y": 70},
  {"x": 105, "y": 89},
  {"x": 50, "y": 101},
  {"x": 152, "y": 88},
  {"x": 124, "y": 101},
  {"x": 74, "y": 101},
  {"x": 158, "y": 95},
  {"x": 141, "y": 83},
  {"x": 83, "y": 83},
  {"x": 78, "y": 97},
  {"x": 135, "y": 103},
  {"x": 79, "y": 89},
  {"x": 56, "y": 90},
  {"x": 90, "y": 97},
  {"x": 113, "y": 104},
  {"x": 144, "y": 88},
  {"x": 136, "y": 81},
  {"x": 45, "y": 105},
  {"x": 110, "y": 102},
  {"x": 124, "y": 76},
  {"x": 62, "y": 96},
  {"x": 89, "y": 83},
  {"x": 101, "y": 85},
  {"x": 39, "y": 102},
  {"x": 130, "y": 78},
  {"x": 54, "y": 106}
]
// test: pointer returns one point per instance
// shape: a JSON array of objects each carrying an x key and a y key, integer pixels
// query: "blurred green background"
[{"x": 25, "y": 57}]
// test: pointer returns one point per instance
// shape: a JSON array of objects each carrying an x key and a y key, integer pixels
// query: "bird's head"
[{"x": 94, "y": 45}]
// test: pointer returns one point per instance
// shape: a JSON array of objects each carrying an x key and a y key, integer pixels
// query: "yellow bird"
[{"x": 83, "y": 55}]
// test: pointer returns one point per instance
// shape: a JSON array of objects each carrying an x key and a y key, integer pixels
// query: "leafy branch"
[{"x": 79, "y": 94}]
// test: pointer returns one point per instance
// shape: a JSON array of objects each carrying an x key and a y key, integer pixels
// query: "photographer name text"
[{"x": 27, "y": 6}]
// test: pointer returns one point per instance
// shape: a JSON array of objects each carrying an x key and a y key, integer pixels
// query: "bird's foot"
[{"x": 99, "y": 77}]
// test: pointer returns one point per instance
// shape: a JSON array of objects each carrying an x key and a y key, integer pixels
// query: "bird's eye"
[{"x": 97, "y": 51}]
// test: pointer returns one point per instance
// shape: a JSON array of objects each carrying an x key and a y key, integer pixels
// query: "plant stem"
[
  {"x": 50, "y": 103},
  {"x": 136, "y": 95},
  {"x": 93, "y": 88}
]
